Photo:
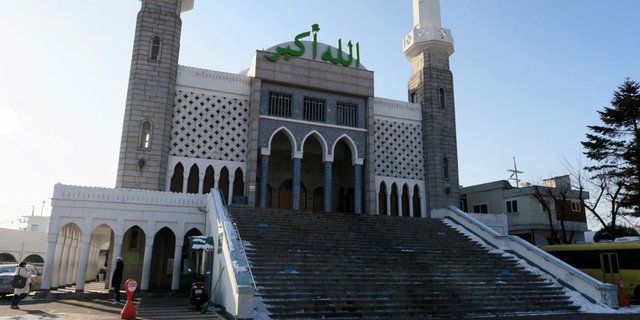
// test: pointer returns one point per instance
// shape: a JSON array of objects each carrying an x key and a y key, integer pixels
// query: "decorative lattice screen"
[
  {"x": 209, "y": 127},
  {"x": 398, "y": 150}
]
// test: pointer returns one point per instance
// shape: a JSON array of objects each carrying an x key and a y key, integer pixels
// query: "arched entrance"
[
  {"x": 162, "y": 260},
  {"x": 187, "y": 263},
  {"x": 312, "y": 172},
  {"x": 281, "y": 169},
  {"x": 343, "y": 177}
]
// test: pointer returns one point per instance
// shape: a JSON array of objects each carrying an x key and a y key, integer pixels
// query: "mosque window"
[
  {"x": 155, "y": 48},
  {"x": 313, "y": 109},
  {"x": 347, "y": 114},
  {"x": 445, "y": 168},
  {"x": 279, "y": 104},
  {"x": 441, "y": 100},
  {"x": 145, "y": 135}
]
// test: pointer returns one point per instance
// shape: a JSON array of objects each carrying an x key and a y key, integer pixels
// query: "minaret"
[
  {"x": 144, "y": 148},
  {"x": 428, "y": 47}
]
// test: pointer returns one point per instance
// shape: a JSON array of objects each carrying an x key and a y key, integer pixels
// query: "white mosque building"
[{"x": 300, "y": 130}]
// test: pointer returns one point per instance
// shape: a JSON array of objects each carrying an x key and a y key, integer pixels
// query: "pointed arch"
[
  {"x": 417, "y": 207},
  {"x": 405, "y": 200},
  {"x": 394, "y": 199},
  {"x": 209, "y": 180},
  {"x": 321, "y": 140},
  {"x": 350, "y": 143},
  {"x": 238, "y": 187},
  {"x": 223, "y": 184},
  {"x": 162, "y": 259},
  {"x": 177, "y": 179},
  {"x": 382, "y": 199},
  {"x": 288, "y": 134},
  {"x": 194, "y": 179}
]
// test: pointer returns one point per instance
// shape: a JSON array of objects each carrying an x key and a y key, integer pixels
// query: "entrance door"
[{"x": 610, "y": 270}]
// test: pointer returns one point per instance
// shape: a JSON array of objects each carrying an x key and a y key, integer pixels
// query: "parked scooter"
[{"x": 199, "y": 294}]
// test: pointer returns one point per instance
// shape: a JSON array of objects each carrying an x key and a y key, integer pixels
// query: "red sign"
[{"x": 130, "y": 285}]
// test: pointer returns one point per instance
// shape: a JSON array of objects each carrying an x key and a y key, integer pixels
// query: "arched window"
[
  {"x": 155, "y": 48},
  {"x": 177, "y": 178},
  {"x": 441, "y": 98},
  {"x": 445, "y": 168},
  {"x": 145, "y": 135}
]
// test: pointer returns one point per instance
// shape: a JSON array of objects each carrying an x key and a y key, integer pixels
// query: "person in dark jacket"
[{"x": 116, "y": 280}]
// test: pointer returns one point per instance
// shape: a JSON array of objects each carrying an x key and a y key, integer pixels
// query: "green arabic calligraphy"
[{"x": 287, "y": 52}]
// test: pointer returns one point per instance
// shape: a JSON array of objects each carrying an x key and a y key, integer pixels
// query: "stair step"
[{"x": 336, "y": 265}]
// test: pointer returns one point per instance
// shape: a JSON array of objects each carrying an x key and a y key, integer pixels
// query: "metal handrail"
[{"x": 253, "y": 280}]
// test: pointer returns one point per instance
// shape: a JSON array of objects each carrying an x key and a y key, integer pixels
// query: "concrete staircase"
[{"x": 315, "y": 266}]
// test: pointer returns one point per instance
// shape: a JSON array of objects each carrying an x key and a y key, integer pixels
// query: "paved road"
[
  {"x": 101, "y": 309},
  {"x": 97, "y": 305}
]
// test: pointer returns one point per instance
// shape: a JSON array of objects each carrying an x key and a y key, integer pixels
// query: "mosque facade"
[{"x": 300, "y": 130}]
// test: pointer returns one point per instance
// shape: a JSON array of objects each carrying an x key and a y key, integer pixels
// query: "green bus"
[{"x": 607, "y": 262}]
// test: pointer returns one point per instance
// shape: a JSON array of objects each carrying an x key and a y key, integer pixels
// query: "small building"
[
  {"x": 28, "y": 244},
  {"x": 530, "y": 208}
]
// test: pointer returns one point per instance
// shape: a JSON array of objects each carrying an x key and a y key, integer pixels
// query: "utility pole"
[{"x": 514, "y": 173}]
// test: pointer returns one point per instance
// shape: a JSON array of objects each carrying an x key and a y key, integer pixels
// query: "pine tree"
[{"x": 614, "y": 146}]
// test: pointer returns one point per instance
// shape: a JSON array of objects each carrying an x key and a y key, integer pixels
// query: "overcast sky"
[{"x": 529, "y": 76}]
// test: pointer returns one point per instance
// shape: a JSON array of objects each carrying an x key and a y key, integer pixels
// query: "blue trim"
[
  {"x": 264, "y": 183},
  {"x": 328, "y": 172},
  {"x": 357, "y": 206},
  {"x": 295, "y": 206}
]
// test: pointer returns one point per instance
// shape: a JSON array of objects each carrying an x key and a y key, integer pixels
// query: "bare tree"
[
  {"x": 608, "y": 196},
  {"x": 559, "y": 198}
]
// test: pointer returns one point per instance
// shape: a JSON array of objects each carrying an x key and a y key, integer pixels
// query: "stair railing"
[
  {"x": 244, "y": 250},
  {"x": 236, "y": 286},
  {"x": 593, "y": 290}
]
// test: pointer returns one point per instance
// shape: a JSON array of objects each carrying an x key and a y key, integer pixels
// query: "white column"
[
  {"x": 167, "y": 186},
  {"x": 75, "y": 256},
  {"x": 85, "y": 241},
  {"x": 47, "y": 273},
  {"x": 177, "y": 256},
  {"x": 73, "y": 246},
  {"x": 92, "y": 268},
  {"x": 146, "y": 264},
  {"x": 388, "y": 200},
  {"x": 216, "y": 179},
  {"x": 64, "y": 265},
  {"x": 55, "y": 272},
  {"x": 410, "y": 202},
  {"x": 232, "y": 180},
  {"x": 201, "y": 183},
  {"x": 399, "y": 203},
  {"x": 185, "y": 183}
]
